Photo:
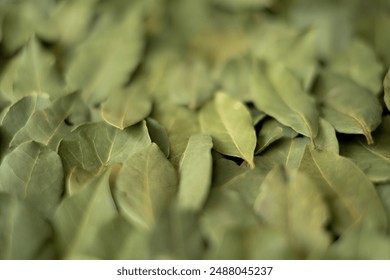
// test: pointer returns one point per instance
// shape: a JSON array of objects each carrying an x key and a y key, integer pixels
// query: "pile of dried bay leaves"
[{"x": 183, "y": 129}]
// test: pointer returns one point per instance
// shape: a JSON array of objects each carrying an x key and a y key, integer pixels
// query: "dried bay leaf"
[
  {"x": 285, "y": 101},
  {"x": 144, "y": 186},
  {"x": 158, "y": 135},
  {"x": 125, "y": 107},
  {"x": 47, "y": 126},
  {"x": 195, "y": 173},
  {"x": 326, "y": 139},
  {"x": 386, "y": 86},
  {"x": 80, "y": 217},
  {"x": 95, "y": 146},
  {"x": 33, "y": 173},
  {"x": 229, "y": 123},
  {"x": 351, "y": 196},
  {"x": 373, "y": 159},
  {"x": 290, "y": 201},
  {"x": 179, "y": 123},
  {"x": 96, "y": 74},
  {"x": 24, "y": 233},
  {"x": 348, "y": 107},
  {"x": 270, "y": 131}
]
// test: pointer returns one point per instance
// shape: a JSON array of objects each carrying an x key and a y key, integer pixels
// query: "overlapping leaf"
[{"x": 229, "y": 123}]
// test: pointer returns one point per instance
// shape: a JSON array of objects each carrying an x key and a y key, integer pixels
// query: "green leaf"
[
  {"x": 351, "y": 196},
  {"x": 18, "y": 115},
  {"x": 80, "y": 217},
  {"x": 278, "y": 93},
  {"x": 34, "y": 174},
  {"x": 24, "y": 233},
  {"x": 96, "y": 74},
  {"x": 77, "y": 179},
  {"x": 290, "y": 201},
  {"x": 95, "y": 146},
  {"x": 144, "y": 186},
  {"x": 195, "y": 173},
  {"x": 243, "y": 4},
  {"x": 177, "y": 235},
  {"x": 179, "y": 123},
  {"x": 360, "y": 64},
  {"x": 360, "y": 243},
  {"x": 158, "y": 135},
  {"x": 126, "y": 107},
  {"x": 386, "y": 86},
  {"x": 47, "y": 126},
  {"x": 373, "y": 159},
  {"x": 326, "y": 139},
  {"x": 285, "y": 152},
  {"x": 229, "y": 123},
  {"x": 34, "y": 71},
  {"x": 349, "y": 107},
  {"x": 270, "y": 131}
]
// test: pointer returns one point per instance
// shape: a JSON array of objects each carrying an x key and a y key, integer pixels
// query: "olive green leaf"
[
  {"x": 245, "y": 181},
  {"x": 349, "y": 107},
  {"x": 24, "y": 233},
  {"x": 119, "y": 240},
  {"x": 290, "y": 201},
  {"x": 179, "y": 123},
  {"x": 326, "y": 139},
  {"x": 34, "y": 70},
  {"x": 244, "y": 4},
  {"x": 386, "y": 86},
  {"x": 351, "y": 196},
  {"x": 125, "y": 107},
  {"x": 189, "y": 83},
  {"x": 278, "y": 93},
  {"x": 80, "y": 217},
  {"x": 98, "y": 74},
  {"x": 285, "y": 152},
  {"x": 34, "y": 174},
  {"x": 270, "y": 131},
  {"x": 360, "y": 64},
  {"x": 276, "y": 42},
  {"x": 229, "y": 123},
  {"x": 360, "y": 243},
  {"x": 158, "y": 135},
  {"x": 18, "y": 115},
  {"x": 195, "y": 173},
  {"x": 77, "y": 179},
  {"x": 177, "y": 235},
  {"x": 47, "y": 126},
  {"x": 373, "y": 159},
  {"x": 95, "y": 146},
  {"x": 144, "y": 186}
]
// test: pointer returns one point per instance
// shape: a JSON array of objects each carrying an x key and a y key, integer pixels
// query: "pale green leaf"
[
  {"x": 386, "y": 86},
  {"x": 47, "y": 126},
  {"x": 350, "y": 108},
  {"x": 80, "y": 217},
  {"x": 360, "y": 64},
  {"x": 278, "y": 93},
  {"x": 144, "y": 186},
  {"x": 24, "y": 233},
  {"x": 18, "y": 115},
  {"x": 34, "y": 70},
  {"x": 270, "y": 131},
  {"x": 290, "y": 201},
  {"x": 125, "y": 107},
  {"x": 34, "y": 174},
  {"x": 229, "y": 123},
  {"x": 195, "y": 173},
  {"x": 158, "y": 135},
  {"x": 97, "y": 74},
  {"x": 373, "y": 159},
  {"x": 179, "y": 123},
  {"x": 243, "y": 4},
  {"x": 326, "y": 139},
  {"x": 351, "y": 196},
  {"x": 77, "y": 178},
  {"x": 95, "y": 146}
]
